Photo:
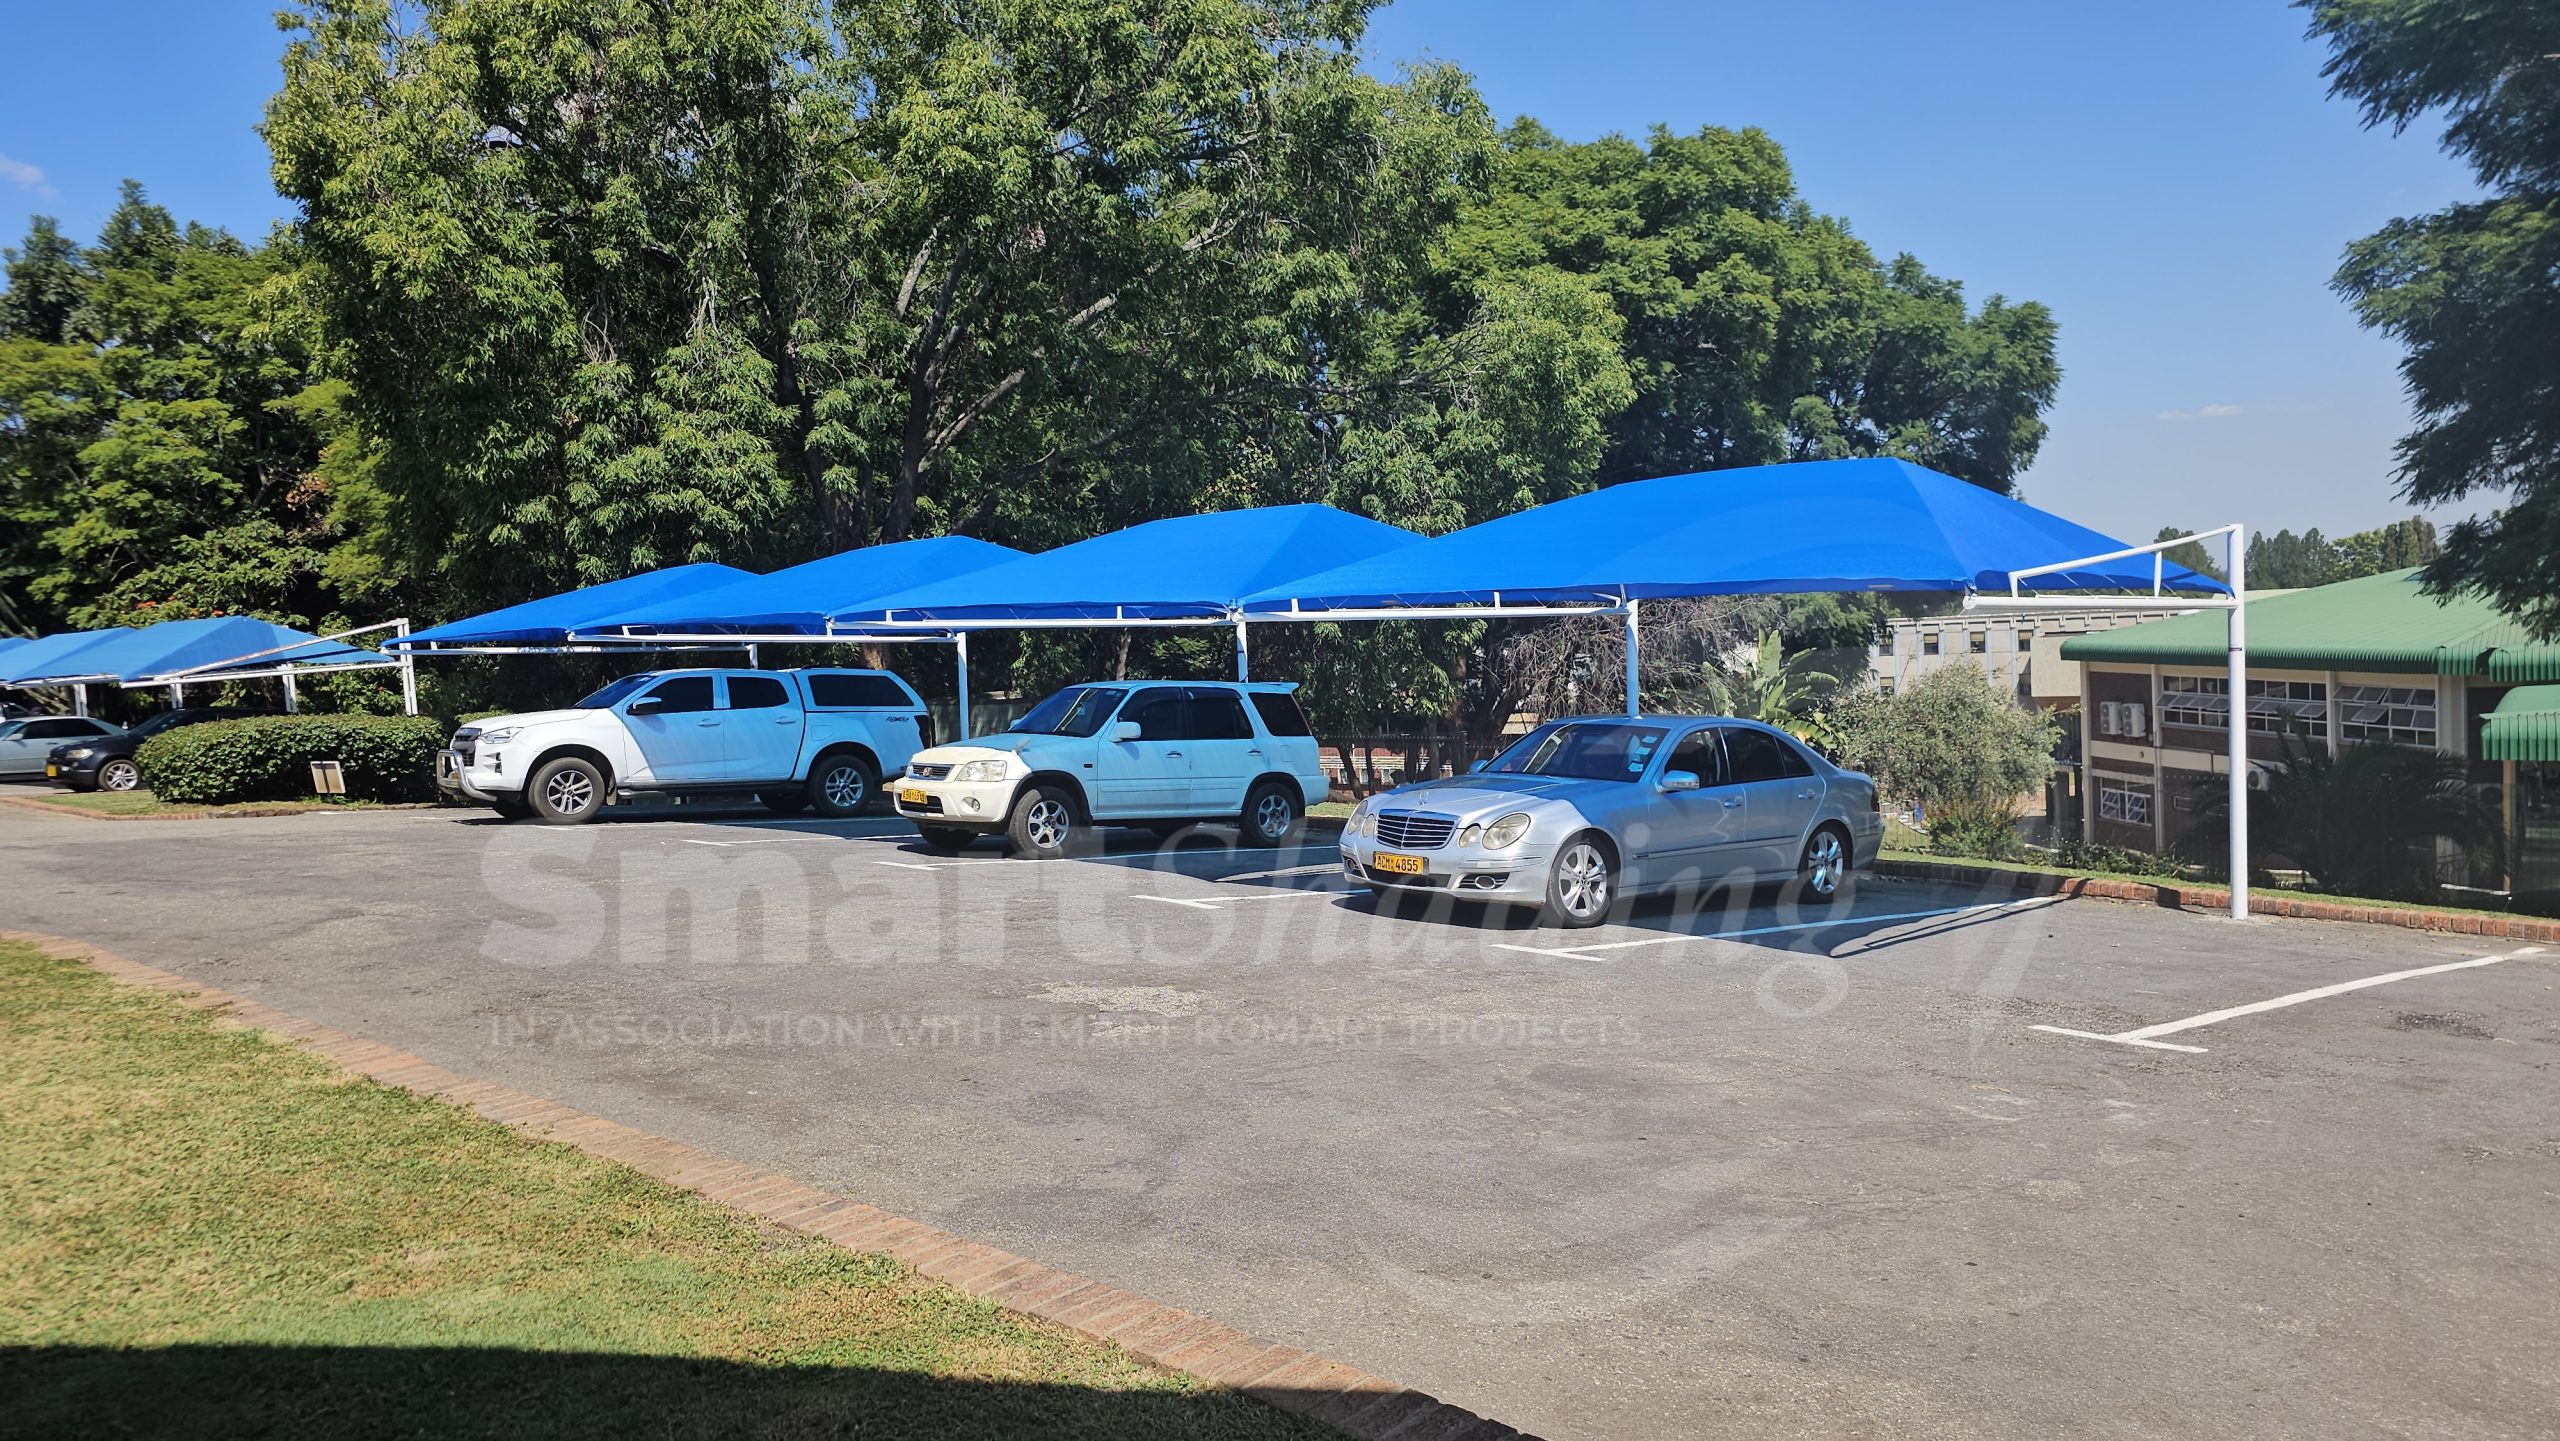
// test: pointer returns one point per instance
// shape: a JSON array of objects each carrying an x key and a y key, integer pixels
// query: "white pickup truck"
[{"x": 796, "y": 739}]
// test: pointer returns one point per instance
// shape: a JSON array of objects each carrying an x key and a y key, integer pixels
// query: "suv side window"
[
  {"x": 55, "y": 730},
  {"x": 1280, "y": 713},
  {"x": 1700, "y": 756},
  {"x": 1158, "y": 712},
  {"x": 1216, "y": 715},
  {"x": 757, "y": 692},
  {"x": 837, "y": 690},
  {"x": 683, "y": 693},
  {"x": 1759, "y": 756}
]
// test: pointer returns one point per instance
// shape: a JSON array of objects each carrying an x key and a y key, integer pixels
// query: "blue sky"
[{"x": 2170, "y": 178}]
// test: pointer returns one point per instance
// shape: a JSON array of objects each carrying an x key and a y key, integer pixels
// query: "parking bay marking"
[
  {"x": 1589, "y": 952},
  {"x": 1220, "y": 904},
  {"x": 2147, "y": 1035}
]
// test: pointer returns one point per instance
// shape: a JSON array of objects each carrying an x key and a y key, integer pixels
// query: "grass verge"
[
  {"x": 206, "y": 1232},
  {"x": 144, "y": 803}
]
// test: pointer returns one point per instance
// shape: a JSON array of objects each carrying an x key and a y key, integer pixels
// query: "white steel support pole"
[
  {"x": 1244, "y": 662},
  {"x": 2239, "y": 697},
  {"x": 1635, "y": 654},
  {"x": 292, "y": 701},
  {"x": 177, "y": 694},
  {"x": 960, "y": 650},
  {"x": 79, "y": 700},
  {"x": 408, "y": 671}
]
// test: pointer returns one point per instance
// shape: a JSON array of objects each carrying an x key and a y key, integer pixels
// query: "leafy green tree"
[
  {"x": 1948, "y": 742},
  {"x": 2472, "y": 291},
  {"x": 2285, "y": 561},
  {"x": 161, "y": 428},
  {"x": 1758, "y": 330}
]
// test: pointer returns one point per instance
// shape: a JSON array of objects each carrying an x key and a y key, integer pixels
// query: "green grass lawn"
[{"x": 205, "y": 1232}]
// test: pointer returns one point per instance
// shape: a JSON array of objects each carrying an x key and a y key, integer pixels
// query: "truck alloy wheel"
[
  {"x": 567, "y": 792},
  {"x": 842, "y": 785}
]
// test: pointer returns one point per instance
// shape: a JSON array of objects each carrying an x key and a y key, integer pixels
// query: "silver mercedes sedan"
[{"x": 1587, "y": 812}]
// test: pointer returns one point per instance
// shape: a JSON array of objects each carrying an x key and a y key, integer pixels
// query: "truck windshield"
[
  {"x": 1583, "y": 751},
  {"x": 1079, "y": 710},
  {"x": 615, "y": 690}
]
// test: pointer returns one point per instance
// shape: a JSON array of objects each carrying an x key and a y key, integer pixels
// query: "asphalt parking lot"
[{"x": 1731, "y": 1170}]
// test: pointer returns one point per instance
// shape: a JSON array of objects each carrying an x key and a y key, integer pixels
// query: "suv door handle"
[
  {"x": 1173, "y": 755},
  {"x": 707, "y": 723},
  {"x": 784, "y": 720}
]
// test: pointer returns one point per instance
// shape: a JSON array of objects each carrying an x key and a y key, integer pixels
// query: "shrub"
[
  {"x": 2080, "y": 855},
  {"x": 2365, "y": 823},
  {"x": 268, "y": 758},
  {"x": 1980, "y": 829},
  {"x": 1951, "y": 741}
]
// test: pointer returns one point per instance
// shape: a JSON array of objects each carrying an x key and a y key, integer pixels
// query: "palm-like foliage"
[{"x": 2364, "y": 823}]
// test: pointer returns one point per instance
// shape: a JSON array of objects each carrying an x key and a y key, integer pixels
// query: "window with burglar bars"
[
  {"x": 2126, "y": 801},
  {"x": 2275, "y": 706},
  {"x": 2406, "y": 714}
]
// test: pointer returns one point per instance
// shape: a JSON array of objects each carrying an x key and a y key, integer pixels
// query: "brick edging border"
[
  {"x": 2041, "y": 883},
  {"x": 1346, "y": 1398}
]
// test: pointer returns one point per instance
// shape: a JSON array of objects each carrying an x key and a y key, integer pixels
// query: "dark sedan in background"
[{"x": 106, "y": 763}]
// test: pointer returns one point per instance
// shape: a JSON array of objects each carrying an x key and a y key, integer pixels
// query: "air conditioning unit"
[
  {"x": 2136, "y": 718},
  {"x": 2110, "y": 718}
]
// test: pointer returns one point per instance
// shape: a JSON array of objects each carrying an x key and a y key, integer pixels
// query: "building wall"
[
  {"x": 2182, "y": 743},
  {"x": 2021, "y": 653}
]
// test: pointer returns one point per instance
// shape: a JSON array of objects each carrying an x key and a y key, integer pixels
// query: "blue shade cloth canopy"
[
  {"x": 46, "y": 655},
  {"x": 798, "y": 601},
  {"x": 9, "y": 643},
  {"x": 548, "y": 621},
  {"x": 1825, "y": 525},
  {"x": 199, "y": 648},
  {"x": 1188, "y": 567}
]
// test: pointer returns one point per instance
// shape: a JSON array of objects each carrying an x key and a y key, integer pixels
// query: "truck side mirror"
[
  {"x": 648, "y": 705},
  {"x": 1126, "y": 730}
]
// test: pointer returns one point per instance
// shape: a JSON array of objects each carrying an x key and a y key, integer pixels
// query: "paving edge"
[
  {"x": 243, "y": 813},
  {"x": 1348, "y": 1399},
  {"x": 2042, "y": 883}
]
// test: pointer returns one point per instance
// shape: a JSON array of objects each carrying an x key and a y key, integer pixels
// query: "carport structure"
[
  {"x": 25, "y": 666},
  {"x": 797, "y": 605},
  {"x": 1836, "y": 525},
  {"x": 208, "y": 649},
  {"x": 1185, "y": 570}
]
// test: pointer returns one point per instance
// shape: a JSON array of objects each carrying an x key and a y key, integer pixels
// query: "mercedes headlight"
[
  {"x": 1506, "y": 832},
  {"x": 978, "y": 771},
  {"x": 500, "y": 737},
  {"x": 1363, "y": 820},
  {"x": 1470, "y": 835}
]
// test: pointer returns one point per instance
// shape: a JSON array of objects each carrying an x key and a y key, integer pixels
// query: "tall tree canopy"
[
  {"x": 167, "y": 447},
  {"x": 1757, "y": 329},
  {"x": 2472, "y": 291}
]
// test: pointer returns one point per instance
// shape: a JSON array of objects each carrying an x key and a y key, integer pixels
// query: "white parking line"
[
  {"x": 690, "y": 841},
  {"x": 1223, "y": 902},
  {"x": 2147, "y": 1035},
  {"x": 924, "y": 865},
  {"x": 1590, "y": 952}
]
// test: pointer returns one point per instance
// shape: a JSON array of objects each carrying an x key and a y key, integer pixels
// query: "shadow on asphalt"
[{"x": 334, "y": 1391}]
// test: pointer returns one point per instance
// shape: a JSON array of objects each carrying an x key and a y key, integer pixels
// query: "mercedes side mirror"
[
  {"x": 1679, "y": 780},
  {"x": 1126, "y": 730}
]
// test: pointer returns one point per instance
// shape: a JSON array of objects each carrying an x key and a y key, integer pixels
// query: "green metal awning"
[
  {"x": 2376, "y": 623},
  {"x": 2524, "y": 727}
]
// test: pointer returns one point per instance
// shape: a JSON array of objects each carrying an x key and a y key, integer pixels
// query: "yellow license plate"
[
  {"x": 1399, "y": 865},
  {"x": 912, "y": 797},
  {"x": 50, "y": 771}
]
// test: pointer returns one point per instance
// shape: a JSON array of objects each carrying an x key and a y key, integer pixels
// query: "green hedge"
[{"x": 268, "y": 758}]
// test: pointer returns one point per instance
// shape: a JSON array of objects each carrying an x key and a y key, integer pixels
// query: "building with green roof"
[{"x": 2362, "y": 661}]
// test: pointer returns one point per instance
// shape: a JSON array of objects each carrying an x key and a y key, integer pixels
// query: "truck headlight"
[
  {"x": 79, "y": 753},
  {"x": 1506, "y": 832},
  {"x": 500, "y": 737},
  {"x": 978, "y": 771}
]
